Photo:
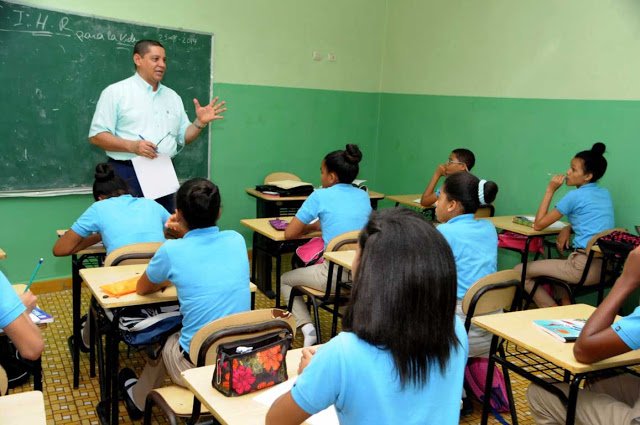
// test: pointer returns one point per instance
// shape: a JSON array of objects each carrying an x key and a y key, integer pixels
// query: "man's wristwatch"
[{"x": 199, "y": 125}]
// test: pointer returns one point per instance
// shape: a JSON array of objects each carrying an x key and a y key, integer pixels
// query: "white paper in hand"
[{"x": 157, "y": 176}]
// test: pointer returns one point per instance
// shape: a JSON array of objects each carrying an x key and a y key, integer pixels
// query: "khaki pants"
[
  {"x": 170, "y": 361},
  {"x": 479, "y": 339},
  {"x": 569, "y": 270},
  {"x": 612, "y": 401},
  {"x": 312, "y": 276}
]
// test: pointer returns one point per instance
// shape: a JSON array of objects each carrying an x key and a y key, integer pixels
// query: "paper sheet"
[
  {"x": 558, "y": 225},
  {"x": 157, "y": 176},
  {"x": 288, "y": 184},
  {"x": 326, "y": 417}
]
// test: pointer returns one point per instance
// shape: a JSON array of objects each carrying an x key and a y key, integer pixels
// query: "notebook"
[{"x": 565, "y": 330}]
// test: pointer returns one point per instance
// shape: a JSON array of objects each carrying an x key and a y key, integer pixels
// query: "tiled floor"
[{"x": 65, "y": 405}]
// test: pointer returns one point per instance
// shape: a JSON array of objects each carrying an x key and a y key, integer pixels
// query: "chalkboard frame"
[{"x": 86, "y": 188}]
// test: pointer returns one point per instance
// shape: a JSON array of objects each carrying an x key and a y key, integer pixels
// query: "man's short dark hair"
[{"x": 143, "y": 46}]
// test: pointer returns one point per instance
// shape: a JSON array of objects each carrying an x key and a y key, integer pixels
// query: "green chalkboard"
[{"x": 53, "y": 67}]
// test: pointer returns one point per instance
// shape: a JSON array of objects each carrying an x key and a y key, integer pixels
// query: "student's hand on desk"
[
  {"x": 307, "y": 355},
  {"x": 210, "y": 112},
  {"x": 144, "y": 148},
  {"x": 29, "y": 300}
]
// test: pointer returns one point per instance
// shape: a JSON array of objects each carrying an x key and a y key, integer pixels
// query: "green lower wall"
[
  {"x": 516, "y": 142},
  {"x": 265, "y": 129}
]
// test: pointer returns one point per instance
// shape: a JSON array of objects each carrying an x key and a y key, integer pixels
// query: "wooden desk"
[
  {"x": 505, "y": 222},
  {"x": 270, "y": 243},
  {"x": 3, "y": 254},
  {"x": 557, "y": 360},
  {"x": 280, "y": 206},
  {"x": 409, "y": 201},
  {"x": 243, "y": 410},
  {"x": 93, "y": 255},
  {"x": 107, "y": 408},
  {"x": 22, "y": 409},
  {"x": 344, "y": 261}
]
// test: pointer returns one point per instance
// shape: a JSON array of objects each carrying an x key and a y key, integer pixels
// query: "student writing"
[
  {"x": 339, "y": 207},
  {"x": 589, "y": 210},
  {"x": 401, "y": 355},
  {"x": 459, "y": 160},
  {"x": 210, "y": 270}
]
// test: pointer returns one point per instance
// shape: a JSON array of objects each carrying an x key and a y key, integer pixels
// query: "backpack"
[
  {"x": 475, "y": 375},
  {"x": 516, "y": 241},
  {"x": 17, "y": 370},
  {"x": 309, "y": 254},
  {"x": 150, "y": 324}
]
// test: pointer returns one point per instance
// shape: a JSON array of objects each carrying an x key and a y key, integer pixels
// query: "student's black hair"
[
  {"x": 465, "y": 156},
  {"x": 594, "y": 161},
  {"x": 344, "y": 163},
  {"x": 199, "y": 202},
  {"x": 404, "y": 293},
  {"x": 143, "y": 46},
  {"x": 464, "y": 188},
  {"x": 106, "y": 183}
]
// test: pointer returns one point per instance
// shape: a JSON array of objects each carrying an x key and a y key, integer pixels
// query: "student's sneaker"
[{"x": 127, "y": 378}]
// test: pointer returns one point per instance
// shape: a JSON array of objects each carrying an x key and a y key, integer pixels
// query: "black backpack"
[{"x": 17, "y": 370}]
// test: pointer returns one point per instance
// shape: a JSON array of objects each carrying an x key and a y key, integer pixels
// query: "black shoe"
[
  {"x": 125, "y": 375},
  {"x": 467, "y": 407}
]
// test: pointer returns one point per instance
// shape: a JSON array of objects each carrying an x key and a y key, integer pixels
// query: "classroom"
[{"x": 523, "y": 84}]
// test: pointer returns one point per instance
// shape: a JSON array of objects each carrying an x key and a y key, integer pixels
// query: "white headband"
[{"x": 481, "y": 192}]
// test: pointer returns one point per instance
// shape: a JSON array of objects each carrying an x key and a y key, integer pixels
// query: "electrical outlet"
[
  {"x": 331, "y": 57},
  {"x": 316, "y": 56}
]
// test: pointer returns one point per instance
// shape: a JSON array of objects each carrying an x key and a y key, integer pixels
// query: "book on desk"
[
  {"x": 528, "y": 220},
  {"x": 564, "y": 330}
]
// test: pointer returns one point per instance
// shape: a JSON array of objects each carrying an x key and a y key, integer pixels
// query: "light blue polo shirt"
[
  {"x": 341, "y": 208},
  {"x": 10, "y": 305},
  {"x": 589, "y": 209},
  {"x": 628, "y": 329},
  {"x": 130, "y": 109},
  {"x": 361, "y": 381},
  {"x": 123, "y": 220},
  {"x": 475, "y": 248},
  {"x": 210, "y": 270}
]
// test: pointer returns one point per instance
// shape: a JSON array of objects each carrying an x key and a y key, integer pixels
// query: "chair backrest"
[
  {"x": 485, "y": 211},
  {"x": 280, "y": 175},
  {"x": 135, "y": 253},
  {"x": 496, "y": 291},
  {"x": 594, "y": 238},
  {"x": 237, "y": 326},
  {"x": 344, "y": 242},
  {"x": 4, "y": 381}
]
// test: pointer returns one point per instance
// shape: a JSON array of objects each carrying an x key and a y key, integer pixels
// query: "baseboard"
[{"x": 53, "y": 285}]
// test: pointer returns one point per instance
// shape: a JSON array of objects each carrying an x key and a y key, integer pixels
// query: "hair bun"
[
  {"x": 352, "y": 154},
  {"x": 104, "y": 172},
  {"x": 598, "y": 148}
]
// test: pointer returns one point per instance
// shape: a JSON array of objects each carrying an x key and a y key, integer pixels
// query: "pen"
[
  {"x": 160, "y": 141},
  {"x": 33, "y": 275}
]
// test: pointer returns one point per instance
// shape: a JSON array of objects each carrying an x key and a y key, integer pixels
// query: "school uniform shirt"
[
  {"x": 589, "y": 209},
  {"x": 131, "y": 109},
  {"x": 341, "y": 208},
  {"x": 362, "y": 382},
  {"x": 628, "y": 329},
  {"x": 10, "y": 305},
  {"x": 210, "y": 270},
  {"x": 475, "y": 249},
  {"x": 123, "y": 220}
]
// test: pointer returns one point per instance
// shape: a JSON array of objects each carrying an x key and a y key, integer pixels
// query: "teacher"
[{"x": 140, "y": 116}]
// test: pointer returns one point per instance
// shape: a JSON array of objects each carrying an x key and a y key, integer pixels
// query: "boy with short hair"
[{"x": 460, "y": 159}]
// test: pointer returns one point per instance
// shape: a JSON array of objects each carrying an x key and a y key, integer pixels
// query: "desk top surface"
[
  {"x": 274, "y": 198},
  {"x": 23, "y": 408},
  {"x": 243, "y": 410},
  {"x": 262, "y": 226},
  {"x": 518, "y": 327},
  {"x": 341, "y": 258},
  {"x": 408, "y": 200},
  {"x": 505, "y": 222},
  {"x": 90, "y": 250},
  {"x": 3, "y": 254}
]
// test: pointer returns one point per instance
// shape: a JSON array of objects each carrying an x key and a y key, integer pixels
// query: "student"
[
  {"x": 401, "y": 355},
  {"x": 614, "y": 400},
  {"x": 589, "y": 210},
  {"x": 116, "y": 218},
  {"x": 339, "y": 207},
  {"x": 474, "y": 242},
  {"x": 459, "y": 160},
  {"x": 16, "y": 323},
  {"x": 210, "y": 270}
]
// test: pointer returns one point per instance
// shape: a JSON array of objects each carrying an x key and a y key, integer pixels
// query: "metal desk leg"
[
  {"x": 278, "y": 273},
  {"x": 507, "y": 383},
  {"x": 574, "y": 387},
  {"x": 489, "y": 383},
  {"x": 336, "y": 312},
  {"x": 76, "y": 287}
]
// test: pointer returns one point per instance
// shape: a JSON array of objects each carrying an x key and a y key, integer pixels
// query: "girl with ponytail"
[
  {"x": 339, "y": 207},
  {"x": 474, "y": 242},
  {"x": 589, "y": 210}
]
